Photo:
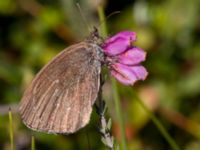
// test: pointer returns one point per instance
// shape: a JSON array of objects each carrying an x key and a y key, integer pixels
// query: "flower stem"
[
  {"x": 114, "y": 84},
  {"x": 11, "y": 129},
  {"x": 119, "y": 114},
  {"x": 105, "y": 126},
  {"x": 159, "y": 125},
  {"x": 102, "y": 21}
]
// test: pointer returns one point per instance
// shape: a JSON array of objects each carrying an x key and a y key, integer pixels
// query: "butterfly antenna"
[
  {"x": 111, "y": 14},
  {"x": 83, "y": 16}
]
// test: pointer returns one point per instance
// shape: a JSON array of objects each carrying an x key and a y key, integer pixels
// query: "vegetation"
[{"x": 34, "y": 31}]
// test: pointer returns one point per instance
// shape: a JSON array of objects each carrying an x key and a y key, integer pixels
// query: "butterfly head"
[{"x": 95, "y": 38}]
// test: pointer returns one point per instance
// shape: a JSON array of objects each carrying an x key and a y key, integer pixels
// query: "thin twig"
[
  {"x": 159, "y": 125},
  {"x": 4, "y": 108},
  {"x": 11, "y": 129},
  {"x": 32, "y": 143},
  {"x": 105, "y": 126}
]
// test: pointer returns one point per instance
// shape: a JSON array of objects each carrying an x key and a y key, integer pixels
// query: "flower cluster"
[{"x": 124, "y": 59}]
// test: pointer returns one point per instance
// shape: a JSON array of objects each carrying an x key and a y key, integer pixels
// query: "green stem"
[
  {"x": 11, "y": 129},
  {"x": 119, "y": 114},
  {"x": 104, "y": 32},
  {"x": 32, "y": 143},
  {"x": 159, "y": 125},
  {"x": 114, "y": 84}
]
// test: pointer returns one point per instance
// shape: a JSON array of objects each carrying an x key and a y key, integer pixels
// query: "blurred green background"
[{"x": 33, "y": 31}]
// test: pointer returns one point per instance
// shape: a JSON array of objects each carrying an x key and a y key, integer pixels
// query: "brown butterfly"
[{"x": 61, "y": 96}]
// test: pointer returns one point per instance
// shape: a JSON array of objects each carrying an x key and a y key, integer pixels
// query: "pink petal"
[
  {"x": 127, "y": 35},
  {"x": 121, "y": 79},
  {"x": 123, "y": 74},
  {"x": 118, "y": 46},
  {"x": 140, "y": 72},
  {"x": 132, "y": 56},
  {"x": 118, "y": 43},
  {"x": 128, "y": 75}
]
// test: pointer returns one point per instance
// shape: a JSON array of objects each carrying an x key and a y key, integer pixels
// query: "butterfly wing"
[{"x": 60, "y": 98}]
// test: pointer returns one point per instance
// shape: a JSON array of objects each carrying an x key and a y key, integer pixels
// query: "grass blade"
[{"x": 11, "y": 129}]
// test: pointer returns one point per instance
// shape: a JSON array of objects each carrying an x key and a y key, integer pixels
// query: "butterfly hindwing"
[{"x": 60, "y": 98}]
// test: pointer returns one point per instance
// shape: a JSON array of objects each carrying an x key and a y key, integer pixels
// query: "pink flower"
[{"x": 123, "y": 59}]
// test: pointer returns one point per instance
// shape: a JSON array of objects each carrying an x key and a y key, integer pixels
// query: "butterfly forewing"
[{"x": 60, "y": 98}]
